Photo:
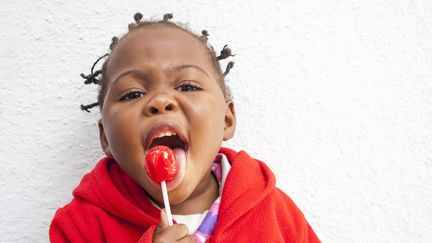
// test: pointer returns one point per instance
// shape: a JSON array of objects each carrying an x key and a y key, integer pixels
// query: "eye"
[
  {"x": 133, "y": 94},
  {"x": 188, "y": 87}
]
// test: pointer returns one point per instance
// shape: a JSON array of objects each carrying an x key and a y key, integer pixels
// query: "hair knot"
[
  {"x": 229, "y": 66},
  {"x": 167, "y": 16},
  {"x": 114, "y": 42},
  {"x": 225, "y": 53},
  {"x": 138, "y": 16},
  {"x": 88, "y": 107},
  {"x": 204, "y": 35}
]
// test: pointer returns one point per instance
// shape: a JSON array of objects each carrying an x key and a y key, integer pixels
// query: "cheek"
[
  {"x": 122, "y": 136},
  {"x": 208, "y": 121},
  {"x": 121, "y": 121},
  {"x": 117, "y": 130},
  {"x": 126, "y": 146}
]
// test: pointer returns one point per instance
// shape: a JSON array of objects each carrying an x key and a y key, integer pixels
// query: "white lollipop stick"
[{"x": 166, "y": 203}]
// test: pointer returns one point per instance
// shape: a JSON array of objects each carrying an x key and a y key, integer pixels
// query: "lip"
[{"x": 165, "y": 127}]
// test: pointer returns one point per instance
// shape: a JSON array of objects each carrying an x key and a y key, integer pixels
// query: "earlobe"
[
  {"x": 230, "y": 121},
  {"x": 103, "y": 140}
]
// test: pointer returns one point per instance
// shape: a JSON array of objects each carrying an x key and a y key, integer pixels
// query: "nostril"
[
  {"x": 169, "y": 108},
  {"x": 153, "y": 110}
]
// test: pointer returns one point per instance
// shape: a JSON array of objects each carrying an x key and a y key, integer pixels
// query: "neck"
[{"x": 201, "y": 199}]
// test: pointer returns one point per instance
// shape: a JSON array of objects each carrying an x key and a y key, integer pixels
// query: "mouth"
[
  {"x": 170, "y": 135},
  {"x": 166, "y": 134}
]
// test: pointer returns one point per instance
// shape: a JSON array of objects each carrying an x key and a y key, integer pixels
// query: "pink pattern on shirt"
[{"x": 207, "y": 225}]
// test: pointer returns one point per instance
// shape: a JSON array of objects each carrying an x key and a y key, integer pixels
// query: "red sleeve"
[
  {"x": 303, "y": 231},
  {"x": 71, "y": 226},
  {"x": 147, "y": 237},
  {"x": 62, "y": 230},
  {"x": 311, "y": 236}
]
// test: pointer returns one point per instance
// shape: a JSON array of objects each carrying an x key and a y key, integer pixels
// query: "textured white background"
[{"x": 334, "y": 95}]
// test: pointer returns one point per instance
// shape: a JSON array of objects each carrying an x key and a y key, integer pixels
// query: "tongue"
[{"x": 180, "y": 155}]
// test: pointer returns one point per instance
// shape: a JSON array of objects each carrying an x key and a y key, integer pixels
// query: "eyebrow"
[{"x": 143, "y": 75}]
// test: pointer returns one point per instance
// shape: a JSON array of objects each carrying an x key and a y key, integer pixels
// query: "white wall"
[{"x": 334, "y": 95}]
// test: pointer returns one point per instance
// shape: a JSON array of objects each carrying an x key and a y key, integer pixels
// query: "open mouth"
[
  {"x": 169, "y": 139},
  {"x": 170, "y": 135},
  {"x": 167, "y": 135}
]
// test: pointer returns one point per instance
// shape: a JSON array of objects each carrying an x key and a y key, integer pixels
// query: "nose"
[{"x": 161, "y": 103}]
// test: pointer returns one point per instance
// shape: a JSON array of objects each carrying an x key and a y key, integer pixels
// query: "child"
[{"x": 162, "y": 85}]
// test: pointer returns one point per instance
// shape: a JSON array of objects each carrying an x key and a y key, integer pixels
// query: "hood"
[
  {"x": 108, "y": 187},
  {"x": 248, "y": 183},
  {"x": 112, "y": 190}
]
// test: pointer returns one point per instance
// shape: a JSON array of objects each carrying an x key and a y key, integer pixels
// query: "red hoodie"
[{"x": 108, "y": 206}]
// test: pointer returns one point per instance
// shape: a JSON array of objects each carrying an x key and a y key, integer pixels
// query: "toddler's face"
[{"x": 161, "y": 80}]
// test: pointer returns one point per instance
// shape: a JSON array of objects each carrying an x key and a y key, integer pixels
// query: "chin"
[{"x": 180, "y": 194}]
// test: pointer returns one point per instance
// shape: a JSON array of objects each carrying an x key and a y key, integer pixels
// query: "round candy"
[{"x": 161, "y": 163}]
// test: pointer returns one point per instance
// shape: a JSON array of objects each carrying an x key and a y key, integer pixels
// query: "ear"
[
  {"x": 103, "y": 140},
  {"x": 230, "y": 120}
]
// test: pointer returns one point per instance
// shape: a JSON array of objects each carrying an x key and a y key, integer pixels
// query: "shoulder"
[
  {"x": 283, "y": 218},
  {"x": 77, "y": 208},
  {"x": 289, "y": 219},
  {"x": 73, "y": 221},
  {"x": 285, "y": 207}
]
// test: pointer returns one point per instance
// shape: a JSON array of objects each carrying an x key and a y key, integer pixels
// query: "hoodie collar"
[
  {"x": 248, "y": 183},
  {"x": 111, "y": 189}
]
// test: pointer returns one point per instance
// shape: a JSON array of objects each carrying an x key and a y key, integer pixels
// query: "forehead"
[{"x": 158, "y": 47}]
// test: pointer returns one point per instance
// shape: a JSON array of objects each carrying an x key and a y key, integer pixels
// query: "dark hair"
[{"x": 98, "y": 77}]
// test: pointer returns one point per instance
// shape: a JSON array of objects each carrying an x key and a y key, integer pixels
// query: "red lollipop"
[{"x": 161, "y": 164}]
